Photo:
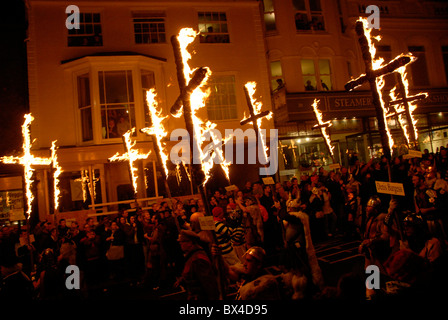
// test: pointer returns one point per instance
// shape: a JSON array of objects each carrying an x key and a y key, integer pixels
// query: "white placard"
[
  {"x": 207, "y": 223},
  {"x": 393, "y": 188}
]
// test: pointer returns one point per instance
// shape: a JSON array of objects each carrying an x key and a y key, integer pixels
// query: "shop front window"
[
  {"x": 78, "y": 188},
  {"x": 306, "y": 153},
  {"x": 11, "y": 206}
]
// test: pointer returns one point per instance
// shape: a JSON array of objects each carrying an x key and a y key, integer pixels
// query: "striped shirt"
[{"x": 223, "y": 237}]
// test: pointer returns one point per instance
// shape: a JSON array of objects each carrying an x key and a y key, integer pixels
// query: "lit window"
[
  {"x": 149, "y": 27},
  {"x": 85, "y": 107},
  {"x": 221, "y": 103},
  {"x": 308, "y": 15},
  {"x": 276, "y": 74},
  {"x": 313, "y": 80},
  {"x": 89, "y": 32},
  {"x": 117, "y": 103},
  {"x": 213, "y": 27},
  {"x": 269, "y": 15}
]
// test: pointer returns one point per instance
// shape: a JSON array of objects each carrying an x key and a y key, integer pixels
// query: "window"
[
  {"x": 79, "y": 188},
  {"x": 89, "y": 32},
  {"x": 316, "y": 81},
  {"x": 213, "y": 27},
  {"x": 276, "y": 74},
  {"x": 149, "y": 27},
  {"x": 308, "y": 15},
  {"x": 419, "y": 71},
  {"x": 85, "y": 107},
  {"x": 221, "y": 103},
  {"x": 325, "y": 74},
  {"x": 445, "y": 60},
  {"x": 269, "y": 15},
  {"x": 117, "y": 103}
]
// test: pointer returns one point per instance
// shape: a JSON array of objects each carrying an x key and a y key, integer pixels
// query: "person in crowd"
[
  {"x": 115, "y": 240},
  {"x": 236, "y": 223},
  {"x": 15, "y": 285},
  {"x": 224, "y": 236},
  {"x": 271, "y": 226},
  {"x": 427, "y": 205},
  {"x": 254, "y": 222},
  {"x": 329, "y": 215},
  {"x": 316, "y": 214},
  {"x": 378, "y": 240},
  {"x": 198, "y": 276}
]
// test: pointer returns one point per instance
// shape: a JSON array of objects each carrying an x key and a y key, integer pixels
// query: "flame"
[
  {"x": 87, "y": 184},
  {"x": 157, "y": 129},
  {"x": 57, "y": 172},
  {"x": 84, "y": 180},
  {"x": 293, "y": 147},
  {"x": 197, "y": 99},
  {"x": 323, "y": 126},
  {"x": 411, "y": 104},
  {"x": 379, "y": 81},
  {"x": 27, "y": 160},
  {"x": 131, "y": 156},
  {"x": 251, "y": 87}
]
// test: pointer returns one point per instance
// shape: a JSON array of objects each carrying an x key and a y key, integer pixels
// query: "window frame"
[
  {"x": 150, "y": 14},
  {"x": 317, "y": 74},
  {"x": 309, "y": 14},
  {"x": 87, "y": 35},
  {"x": 235, "y": 106},
  {"x": 202, "y": 35},
  {"x": 93, "y": 65}
]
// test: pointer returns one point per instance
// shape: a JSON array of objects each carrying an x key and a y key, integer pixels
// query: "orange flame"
[
  {"x": 251, "y": 88},
  {"x": 131, "y": 156},
  {"x": 376, "y": 64},
  {"x": 197, "y": 98},
  {"x": 323, "y": 125},
  {"x": 27, "y": 160},
  {"x": 411, "y": 104},
  {"x": 57, "y": 172},
  {"x": 157, "y": 127}
]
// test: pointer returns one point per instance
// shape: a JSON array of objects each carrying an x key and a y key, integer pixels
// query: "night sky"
[{"x": 13, "y": 76}]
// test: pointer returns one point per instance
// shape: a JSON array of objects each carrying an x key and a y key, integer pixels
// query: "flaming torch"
[
  {"x": 192, "y": 97},
  {"x": 27, "y": 160},
  {"x": 256, "y": 116},
  {"x": 131, "y": 156},
  {"x": 323, "y": 126},
  {"x": 157, "y": 132},
  {"x": 375, "y": 70},
  {"x": 407, "y": 106},
  {"x": 57, "y": 170}
]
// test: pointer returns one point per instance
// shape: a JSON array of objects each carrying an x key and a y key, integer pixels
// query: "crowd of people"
[{"x": 255, "y": 226}]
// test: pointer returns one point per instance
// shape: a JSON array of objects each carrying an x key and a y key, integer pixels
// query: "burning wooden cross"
[
  {"x": 323, "y": 126},
  {"x": 255, "y": 116},
  {"x": 192, "y": 98},
  {"x": 27, "y": 160},
  {"x": 408, "y": 107},
  {"x": 374, "y": 74},
  {"x": 131, "y": 156},
  {"x": 188, "y": 87},
  {"x": 157, "y": 132}
]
